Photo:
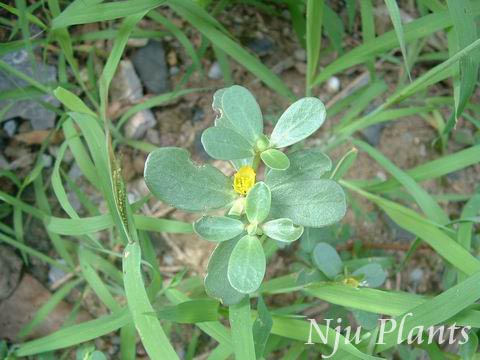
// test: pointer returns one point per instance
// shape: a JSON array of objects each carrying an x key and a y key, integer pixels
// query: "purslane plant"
[{"x": 290, "y": 194}]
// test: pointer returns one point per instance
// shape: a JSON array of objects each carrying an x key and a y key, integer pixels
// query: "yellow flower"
[
  {"x": 351, "y": 281},
  {"x": 244, "y": 179}
]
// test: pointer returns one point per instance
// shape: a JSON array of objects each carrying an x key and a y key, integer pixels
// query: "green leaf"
[
  {"x": 216, "y": 281},
  {"x": 282, "y": 230},
  {"x": 173, "y": 178},
  {"x": 226, "y": 144},
  {"x": 246, "y": 267},
  {"x": 275, "y": 159},
  {"x": 313, "y": 203},
  {"x": 327, "y": 260},
  {"x": 469, "y": 349},
  {"x": 299, "y": 121},
  {"x": 190, "y": 312},
  {"x": 344, "y": 164},
  {"x": 261, "y": 327},
  {"x": 466, "y": 72},
  {"x": 209, "y": 27},
  {"x": 394, "y": 12},
  {"x": 218, "y": 228},
  {"x": 315, "y": 14},
  {"x": 239, "y": 111},
  {"x": 78, "y": 13},
  {"x": 151, "y": 333},
  {"x": 258, "y": 202},
  {"x": 72, "y": 101},
  {"x": 75, "y": 334},
  {"x": 309, "y": 164},
  {"x": 374, "y": 275}
]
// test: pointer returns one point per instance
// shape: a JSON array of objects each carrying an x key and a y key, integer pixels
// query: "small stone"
[
  {"x": 261, "y": 46},
  {"x": 55, "y": 274},
  {"x": 198, "y": 114},
  {"x": 172, "y": 58},
  {"x": 423, "y": 150},
  {"x": 10, "y": 127},
  {"x": 153, "y": 136},
  {"x": 150, "y": 64},
  {"x": 416, "y": 275},
  {"x": 40, "y": 117},
  {"x": 215, "y": 72},
  {"x": 126, "y": 85},
  {"x": 301, "y": 68},
  {"x": 381, "y": 175},
  {"x": 168, "y": 260},
  {"x": 300, "y": 55},
  {"x": 139, "y": 164},
  {"x": 138, "y": 43},
  {"x": 137, "y": 126},
  {"x": 174, "y": 70},
  {"x": 372, "y": 133},
  {"x": 47, "y": 160},
  {"x": 333, "y": 84}
]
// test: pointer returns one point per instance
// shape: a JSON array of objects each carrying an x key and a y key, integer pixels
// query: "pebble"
[
  {"x": 153, "y": 136},
  {"x": 261, "y": 46},
  {"x": 47, "y": 161},
  {"x": 300, "y": 55},
  {"x": 10, "y": 127},
  {"x": 416, "y": 275},
  {"x": 174, "y": 70},
  {"x": 149, "y": 62},
  {"x": 372, "y": 134},
  {"x": 301, "y": 67},
  {"x": 215, "y": 72},
  {"x": 55, "y": 274},
  {"x": 333, "y": 85},
  {"x": 198, "y": 114},
  {"x": 40, "y": 117},
  {"x": 126, "y": 85},
  {"x": 137, "y": 126}
]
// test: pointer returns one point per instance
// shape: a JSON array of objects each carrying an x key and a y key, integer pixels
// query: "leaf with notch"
[
  {"x": 174, "y": 179},
  {"x": 239, "y": 111},
  {"x": 226, "y": 144},
  {"x": 309, "y": 164}
]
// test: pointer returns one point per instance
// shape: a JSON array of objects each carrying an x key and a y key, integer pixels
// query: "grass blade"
[{"x": 151, "y": 333}]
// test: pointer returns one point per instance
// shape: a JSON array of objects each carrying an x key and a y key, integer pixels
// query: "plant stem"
[{"x": 241, "y": 325}]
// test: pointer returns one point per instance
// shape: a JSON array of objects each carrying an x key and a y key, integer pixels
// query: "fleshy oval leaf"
[
  {"x": 216, "y": 280},
  {"x": 226, "y": 144},
  {"x": 218, "y": 228},
  {"x": 174, "y": 179},
  {"x": 282, "y": 230},
  {"x": 239, "y": 111},
  {"x": 275, "y": 159},
  {"x": 373, "y": 275},
  {"x": 258, "y": 202},
  {"x": 246, "y": 267},
  {"x": 312, "y": 203},
  {"x": 305, "y": 164},
  {"x": 300, "y": 120},
  {"x": 326, "y": 259}
]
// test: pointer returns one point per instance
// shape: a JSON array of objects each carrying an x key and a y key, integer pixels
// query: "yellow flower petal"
[{"x": 244, "y": 180}]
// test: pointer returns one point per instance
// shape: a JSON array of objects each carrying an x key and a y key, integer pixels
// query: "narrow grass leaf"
[{"x": 151, "y": 332}]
